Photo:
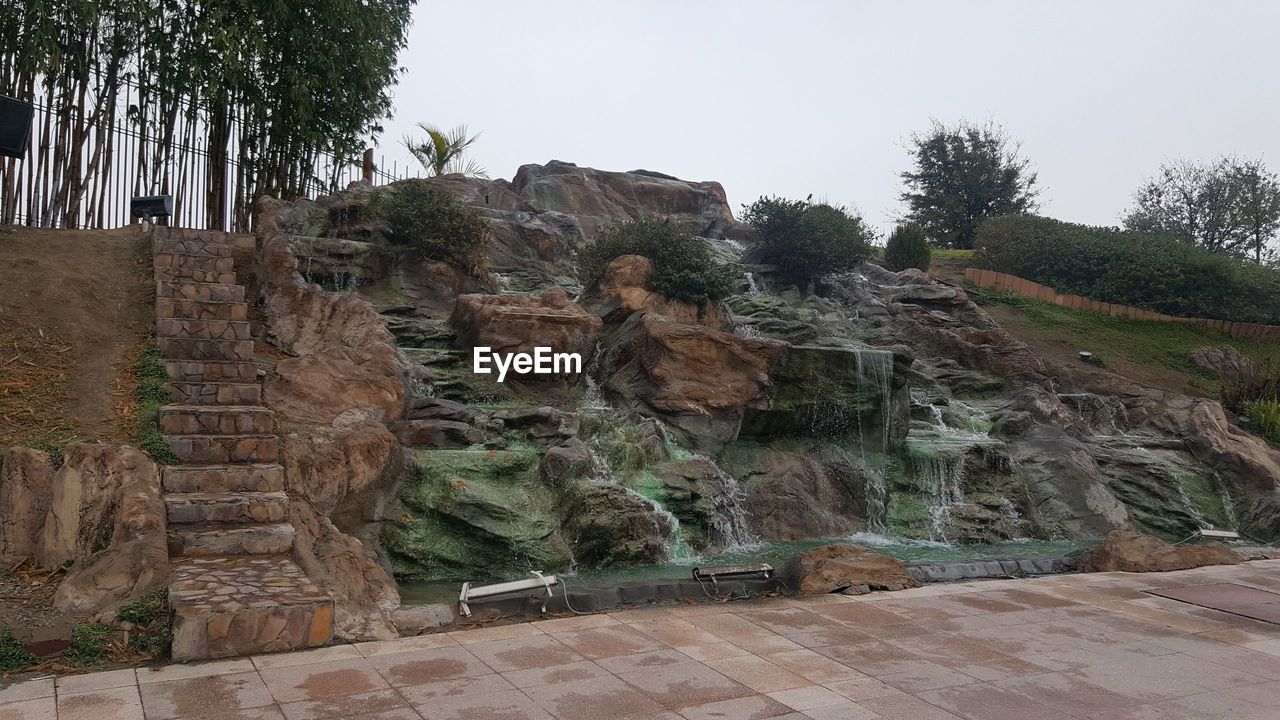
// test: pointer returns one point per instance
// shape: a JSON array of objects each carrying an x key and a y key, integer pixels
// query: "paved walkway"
[{"x": 1075, "y": 646}]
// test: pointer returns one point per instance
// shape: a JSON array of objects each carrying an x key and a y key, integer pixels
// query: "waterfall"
[
  {"x": 942, "y": 477},
  {"x": 730, "y": 522},
  {"x": 875, "y": 369},
  {"x": 1228, "y": 506},
  {"x": 748, "y": 331},
  {"x": 593, "y": 399},
  {"x": 937, "y": 416},
  {"x": 877, "y": 494},
  {"x": 601, "y": 473},
  {"x": 752, "y": 287}
]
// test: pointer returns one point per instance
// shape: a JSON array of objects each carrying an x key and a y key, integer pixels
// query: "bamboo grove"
[{"x": 237, "y": 98}]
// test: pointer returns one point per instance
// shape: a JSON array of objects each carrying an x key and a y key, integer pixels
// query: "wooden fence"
[{"x": 1035, "y": 291}]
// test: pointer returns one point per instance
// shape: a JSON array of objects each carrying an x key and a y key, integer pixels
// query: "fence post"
[{"x": 367, "y": 165}]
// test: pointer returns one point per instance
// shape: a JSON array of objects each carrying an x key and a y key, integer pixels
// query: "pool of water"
[{"x": 774, "y": 553}]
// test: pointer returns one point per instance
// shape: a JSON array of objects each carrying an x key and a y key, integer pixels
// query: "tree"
[
  {"x": 907, "y": 248},
  {"x": 1230, "y": 206},
  {"x": 962, "y": 175},
  {"x": 683, "y": 265},
  {"x": 441, "y": 151},
  {"x": 804, "y": 240}
]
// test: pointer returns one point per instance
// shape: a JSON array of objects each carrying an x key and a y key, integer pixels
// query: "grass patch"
[
  {"x": 13, "y": 657},
  {"x": 1164, "y": 345},
  {"x": 150, "y": 393},
  {"x": 149, "y": 614},
  {"x": 90, "y": 646},
  {"x": 954, "y": 255}
]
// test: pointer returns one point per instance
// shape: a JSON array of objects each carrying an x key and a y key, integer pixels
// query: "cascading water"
[
  {"x": 748, "y": 331},
  {"x": 752, "y": 287},
  {"x": 730, "y": 523},
  {"x": 877, "y": 494},
  {"x": 593, "y": 399},
  {"x": 875, "y": 370},
  {"x": 1228, "y": 507},
  {"x": 942, "y": 477},
  {"x": 601, "y": 473}
]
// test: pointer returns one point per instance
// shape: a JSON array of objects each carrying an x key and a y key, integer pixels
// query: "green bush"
[
  {"x": 1264, "y": 417},
  {"x": 426, "y": 218},
  {"x": 683, "y": 266},
  {"x": 1109, "y": 265},
  {"x": 805, "y": 240},
  {"x": 149, "y": 372},
  {"x": 13, "y": 657},
  {"x": 907, "y": 248},
  {"x": 89, "y": 645}
]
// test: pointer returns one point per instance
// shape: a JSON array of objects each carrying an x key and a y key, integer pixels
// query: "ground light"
[
  {"x": 1219, "y": 534},
  {"x": 482, "y": 591},
  {"x": 761, "y": 570}
]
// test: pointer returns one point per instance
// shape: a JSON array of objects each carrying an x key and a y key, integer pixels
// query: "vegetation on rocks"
[
  {"x": 907, "y": 247},
  {"x": 805, "y": 240},
  {"x": 683, "y": 266},
  {"x": 1156, "y": 272},
  {"x": 427, "y": 220},
  {"x": 151, "y": 395}
]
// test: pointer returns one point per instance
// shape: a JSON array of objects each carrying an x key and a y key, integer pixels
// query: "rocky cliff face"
[{"x": 884, "y": 402}]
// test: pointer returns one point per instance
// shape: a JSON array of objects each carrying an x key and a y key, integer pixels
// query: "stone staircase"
[{"x": 234, "y": 589}]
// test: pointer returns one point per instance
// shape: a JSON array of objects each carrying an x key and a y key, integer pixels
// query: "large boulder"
[
  {"x": 106, "y": 516},
  {"x": 1128, "y": 551},
  {"x": 1224, "y": 361},
  {"x": 795, "y": 490},
  {"x": 699, "y": 379},
  {"x": 624, "y": 290},
  {"x": 519, "y": 324},
  {"x": 846, "y": 568},
  {"x": 26, "y": 482},
  {"x": 336, "y": 466}
]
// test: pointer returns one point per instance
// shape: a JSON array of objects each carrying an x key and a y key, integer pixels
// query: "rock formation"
[
  {"x": 848, "y": 569},
  {"x": 1126, "y": 551}
]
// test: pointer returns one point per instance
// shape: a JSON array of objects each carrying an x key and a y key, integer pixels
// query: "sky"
[{"x": 798, "y": 97}]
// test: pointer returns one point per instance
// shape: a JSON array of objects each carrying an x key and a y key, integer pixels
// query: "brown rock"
[
  {"x": 26, "y": 481},
  {"x": 1128, "y": 551},
  {"x": 1224, "y": 361},
  {"x": 106, "y": 514},
  {"x": 699, "y": 378},
  {"x": 333, "y": 466},
  {"x": 519, "y": 323},
  {"x": 624, "y": 290},
  {"x": 841, "y": 568},
  {"x": 364, "y": 593}
]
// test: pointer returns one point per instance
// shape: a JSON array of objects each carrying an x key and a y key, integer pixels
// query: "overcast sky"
[{"x": 794, "y": 98}]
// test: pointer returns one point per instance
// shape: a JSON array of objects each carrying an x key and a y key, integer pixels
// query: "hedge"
[{"x": 1155, "y": 272}]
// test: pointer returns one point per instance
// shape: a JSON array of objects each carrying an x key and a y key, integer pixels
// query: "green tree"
[
  {"x": 434, "y": 226},
  {"x": 441, "y": 151},
  {"x": 907, "y": 248},
  {"x": 962, "y": 175},
  {"x": 805, "y": 240},
  {"x": 683, "y": 266}
]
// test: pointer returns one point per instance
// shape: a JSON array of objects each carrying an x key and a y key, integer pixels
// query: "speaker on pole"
[{"x": 15, "y": 126}]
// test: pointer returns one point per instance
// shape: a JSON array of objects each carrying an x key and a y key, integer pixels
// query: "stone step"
[
  {"x": 229, "y": 607},
  {"x": 215, "y": 393},
  {"x": 200, "y": 309},
  {"x": 196, "y": 371},
  {"x": 183, "y": 246},
  {"x": 223, "y": 478},
  {"x": 227, "y": 507},
  {"x": 203, "y": 329},
  {"x": 207, "y": 263},
  {"x": 171, "y": 274},
  {"x": 202, "y": 291},
  {"x": 216, "y": 420},
  {"x": 221, "y": 540},
  {"x": 175, "y": 348},
  {"x": 222, "y": 449}
]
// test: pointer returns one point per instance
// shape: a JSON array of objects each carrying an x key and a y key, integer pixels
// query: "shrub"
[
  {"x": 907, "y": 248},
  {"x": 13, "y": 657},
  {"x": 149, "y": 614},
  {"x": 806, "y": 240},
  {"x": 434, "y": 226},
  {"x": 90, "y": 645},
  {"x": 1264, "y": 417},
  {"x": 683, "y": 266},
  {"x": 1109, "y": 265}
]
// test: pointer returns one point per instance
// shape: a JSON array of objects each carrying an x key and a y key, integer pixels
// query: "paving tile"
[
  {"x": 1263, "y": 694},
  {"x": 121, "y": 703},
  {"x": 193, "y": 696},
  {"x": 873, "y": 658},
  {"x": 194, "y": 670},
  {"x": 1163, "y": 678},
  {"x": 407, "y": 713},
  {"x": 917, "y": 675},
  {"x": 676, "y": 632},
  {"x": 577, "y": 622},
  {"x": 1066, "y": 693},
  {"x": 971, "y": 657},
  {"x": 982, "y": 701},
  {"x": 499, "y": 632},
  {"x": 42, "y": 708},
  {"x": 812, "y": 666},
  {"x": 598, "y": 698},
  {"x": 712, "y": 651},
  {"x": 321, "y": 681},
  {"x": 758, "y": 674},
  {"x": 97, "y": 681},
  {"x": 750, "y": 707},
  {"x": 678, "y": 686},
  {"x": 861, "y": 615},
  {"x": 420, "y": 695},
  {"x": 609, "y": 641},
  {"x": 508, "y": 705},
  {"x": 581, "y": 670},
  {"x": 27, "y": 690},
  {"x": 808, "y": 698},
  {"x": 426, "y": 666},
  {"x": 523, "y": 652},
  {"x": 910, "y": 707},
  {"x": 845, "y": 711},
  {"x": 399, "y": 645},
  {"x": 306, "y": 657},
  {"x": 378, "y": 701},
  {"x": 1218, "y": 704},
  {"x": 863, "y": 688},
  {"x": 643, "y": 661}
]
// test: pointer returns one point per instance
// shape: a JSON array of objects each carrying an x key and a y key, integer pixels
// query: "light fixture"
[
  {"x": 15, "y": 126},
  {"x": 481, "y": 591},
  {"x": 759, "y": 570},
  {"x": 149, "y": 207},
  {"x": 1219, "y": 534}
]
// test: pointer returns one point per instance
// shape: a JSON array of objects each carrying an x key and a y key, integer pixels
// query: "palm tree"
[{"x": 440, "y": 152}]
